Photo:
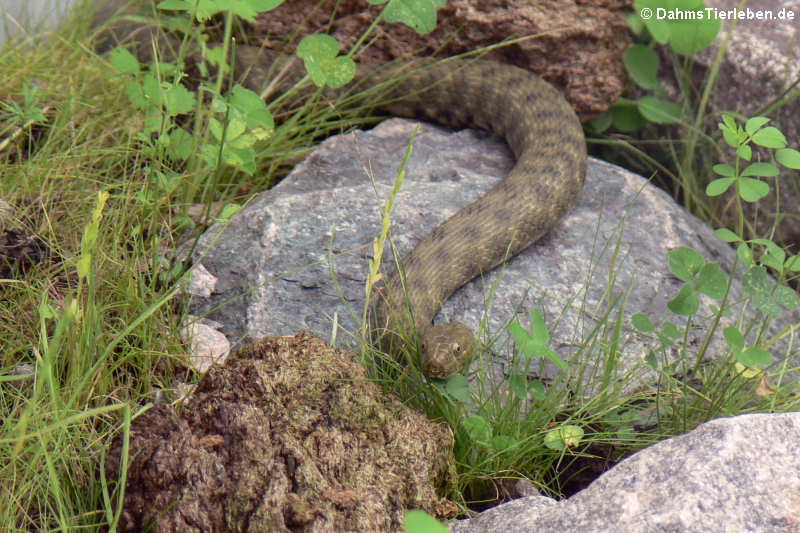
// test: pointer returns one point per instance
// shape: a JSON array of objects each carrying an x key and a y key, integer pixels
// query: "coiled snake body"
[{"x": 547, "y": 139}]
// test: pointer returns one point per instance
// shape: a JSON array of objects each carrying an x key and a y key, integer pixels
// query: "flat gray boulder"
[
  {"x": 729, "y": 475},
  {"x": 296, "y": 257}
]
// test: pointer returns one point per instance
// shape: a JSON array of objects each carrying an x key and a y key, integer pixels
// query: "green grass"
[{"x": 98, "y": 321}]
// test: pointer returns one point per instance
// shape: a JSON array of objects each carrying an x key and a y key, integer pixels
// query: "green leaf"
[
  {"x": 635, "y": 23},
  {"x": 458, "y": 387},
  {"x": 745, "y": 254},
  {"x": 215, "y": 127},
  {"x": 340, "y": 72},
  {"x": 686, "y": 301},
  {"x": 244, "y": 160},
  {"x": 712, "y": 281},
  {"x": 724, "y": 170},
  {"x": 538, "y": 329},
  {"x": 133, "y": 91},
  {"x": 728, "y": 122},
  {"x": 642, "y": 63},
  {"x": 730, "y": 135},
  {"x": 685, "y": 262},
  {"x": 600, "y": 124},
  {"x": 249, "y": 9},
  {"x": 719, "y": 186},
  {"x": 241, "y": 142},
  {"x": 319, "y": 45},
  {"x": 181, "y": 144},
  {"x": 518, "y": 386},
  {"x": 726, "y": 235},
  {"x": 642, "y": 322},
  {"x": 252, "y": 108},
  {"x": 420, "y": 15},
  {"x": 235, "y": 129},
  {"x": 734, "y": 338},
  {"x": 521, "y": 338},
  {"x": 760, "y": 169},
  {"x": 503, "y": 443},
  {"x": 178, "y": 100},
  {"x": 771, "y": 261},
  {"x": 786, "y": 297},
  {"x": 228, "y": 211},
  {"x": 752, "y": 190},
  {"x": 214, "y": 57},
  {"x": 153, "y": 122},
  {"x": 537, "y": 390},
  {"x": 202, "y": 10},
  {"x": 562, "y": 437},
  {"x": 754, "y": 357},
  {"x": 793, "y": 263},
  {"x": 534, "y": 343},
  {"x": 658, "y": 28},
  {"x": 670, "y": 331},
  {"x": 627, "y": 118},
  {"x": 83, "y": 265},
  {"x": 754, "y": 124},
  {"x": 524, "y": 340},
  {"x": 651, "y": 360},
  {"x": 174, "y": 5},
  {"x": 319, "y": 53},
  {"x": 687, "y": 37},
  {"x": 745, "y": 152},
  {"x": 152, "y": 90},
  {"x": 555, "y": 359},
  {"x": 757, "y": 285},
  {"x": 124, "y": 61},
  {"x": 770, "y": 138},
  {"x": 478, "y": 428},
  {"x": 659, "y": 111},
  {"x": 788, "y": 157},
  {"x": 772, "y": 248},
  {"x": 417, "y": 521}
]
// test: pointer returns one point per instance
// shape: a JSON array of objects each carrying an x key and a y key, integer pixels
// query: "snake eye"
[{"x": 457, "y": 347}]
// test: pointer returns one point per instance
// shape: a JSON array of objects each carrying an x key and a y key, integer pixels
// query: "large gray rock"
[
  {"x": 727, "y": 476},
  {"x": 297, "y": 254}
]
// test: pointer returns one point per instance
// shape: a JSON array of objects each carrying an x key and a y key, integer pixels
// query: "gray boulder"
[
  {"x": 296, "y": 256},
  {"x": 729, "y": 475}
]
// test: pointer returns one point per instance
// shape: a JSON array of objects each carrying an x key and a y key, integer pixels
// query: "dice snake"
[{"x": 547, "y": 140}]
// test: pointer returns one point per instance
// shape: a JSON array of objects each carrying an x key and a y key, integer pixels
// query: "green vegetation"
[{"x": 100, "y": 165}]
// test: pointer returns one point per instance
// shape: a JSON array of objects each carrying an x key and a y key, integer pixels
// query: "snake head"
[{"x": 446, "y": 348}]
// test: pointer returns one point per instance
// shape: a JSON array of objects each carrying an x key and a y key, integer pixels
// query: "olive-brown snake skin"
[{"x": 547, "y": 140}]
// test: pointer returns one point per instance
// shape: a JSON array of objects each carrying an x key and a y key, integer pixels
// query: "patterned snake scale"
[
  {"x": 547, "y": 140},
  {"x": 534, "y": 119}
]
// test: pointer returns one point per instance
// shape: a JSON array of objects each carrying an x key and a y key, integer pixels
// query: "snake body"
[{"x": 547, "y": 140}]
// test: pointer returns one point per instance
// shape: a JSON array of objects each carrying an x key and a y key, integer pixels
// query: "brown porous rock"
[
  {"x": 287, "y": 435},
  {"x": 576, "y": 45}
]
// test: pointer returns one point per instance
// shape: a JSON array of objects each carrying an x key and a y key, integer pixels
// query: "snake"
[
  {"x": 548, "y": 143},
  {"x": 549, "y": 147}
]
